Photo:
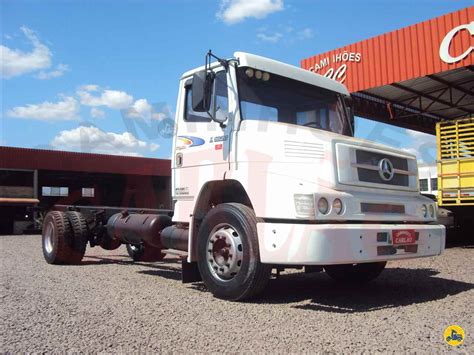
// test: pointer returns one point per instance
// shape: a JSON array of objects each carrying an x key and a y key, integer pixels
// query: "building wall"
[
  {"x": 117, "y": 181},
  {"x": 109, "y": 189},
  {"x": 112, "y": 190},
  {"x": 428, "y": 177}
]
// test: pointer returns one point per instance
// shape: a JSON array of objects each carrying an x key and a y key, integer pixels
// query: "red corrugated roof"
[
  {"x": 39, "y": 159},
  {"x": 400, "y": 55}
]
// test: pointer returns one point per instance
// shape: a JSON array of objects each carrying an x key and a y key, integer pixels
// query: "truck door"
[{"x": 202, "y": 149}]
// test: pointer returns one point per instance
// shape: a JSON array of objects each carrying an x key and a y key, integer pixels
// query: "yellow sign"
[{"x": 454, "y": 335}]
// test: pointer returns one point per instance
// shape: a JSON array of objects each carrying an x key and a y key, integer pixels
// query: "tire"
[
  {"x": 56, "y": 238},
  {"x": 355, "y": 273},
  {"x": 80, "y": 232},
  {"x": 144, "y": 253},
  {"x": 228, "y": 253}
]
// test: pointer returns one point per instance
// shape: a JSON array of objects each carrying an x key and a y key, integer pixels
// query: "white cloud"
[
  {"x": 56, "y": 73},
  {"x": 91, "y": 87},
  {"x": 110, "y": 98},
  {"x": 142, "y": 109},
  {"x": 15, "y": 62},
  {"x": 274, "y": 38},
  {"x": 235, "y": 11},
  {"x": 97, "y": 113},
  {"x": 305, "y": 33},
  {"x": 93, "y": 139},
  {"x": 66, "y": 109},
  {"x": 286, "y": 34}
]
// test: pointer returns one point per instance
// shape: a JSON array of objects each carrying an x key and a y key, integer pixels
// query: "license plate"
[{"x": 404, "y": 236}]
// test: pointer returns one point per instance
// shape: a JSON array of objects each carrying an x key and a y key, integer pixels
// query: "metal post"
[{"x": 35, "y": 195}]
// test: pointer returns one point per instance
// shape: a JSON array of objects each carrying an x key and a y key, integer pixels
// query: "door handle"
[{"x": 179, "y": 159}]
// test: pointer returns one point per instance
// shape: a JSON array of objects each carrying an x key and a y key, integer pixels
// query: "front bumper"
[{"x": 325, "y": 244}]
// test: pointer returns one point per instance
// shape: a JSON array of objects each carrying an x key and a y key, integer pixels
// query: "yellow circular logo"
[{"x": 454, "y": 335}]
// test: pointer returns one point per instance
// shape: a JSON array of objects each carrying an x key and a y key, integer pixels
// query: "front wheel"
[
  {"x": 228, "y": 253},
  {"x": 355, "y": 273}
]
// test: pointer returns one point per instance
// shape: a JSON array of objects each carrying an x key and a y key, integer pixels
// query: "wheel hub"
[
  {"x": 224, "y": 252},
  {"x": 48, "y": 238}
]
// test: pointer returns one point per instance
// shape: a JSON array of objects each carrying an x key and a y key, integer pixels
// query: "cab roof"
[{"x": 282, "y": 69}]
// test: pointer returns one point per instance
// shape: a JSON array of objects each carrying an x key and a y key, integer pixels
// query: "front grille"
[
  {"x": 373, "y": 176},
  {"x": 372, "y": 160}
]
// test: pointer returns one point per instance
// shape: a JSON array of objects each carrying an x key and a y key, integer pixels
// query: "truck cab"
[{"x": 279, "y": 140}]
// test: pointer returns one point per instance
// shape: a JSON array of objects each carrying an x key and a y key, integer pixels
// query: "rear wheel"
[
  {"x": 80, "y": 232},
  {"x": 144, "y": 252},
  {"x": 56, "y": 238},
  {"x": 355, "y": 273},
  {"x": 228, "y": 253}
]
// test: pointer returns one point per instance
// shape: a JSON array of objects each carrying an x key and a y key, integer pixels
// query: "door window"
[{"x": 219, "y": 104}]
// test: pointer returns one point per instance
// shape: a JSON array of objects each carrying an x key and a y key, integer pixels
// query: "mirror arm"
[{"x": 223, "y": 62}]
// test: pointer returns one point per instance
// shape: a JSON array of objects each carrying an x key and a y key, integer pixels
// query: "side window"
[
  {"x": 221, "y": 99},
  {"x": 219, "y": 104},
  {"x": 189, "y": 114},
  {"x": 423, "y": 184}
]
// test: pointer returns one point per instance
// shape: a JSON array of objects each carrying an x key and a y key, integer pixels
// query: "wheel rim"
[
  {"x": 224, "y": 252},
  {"x": 48, "y": 238},
  {"x": 134, "y": 247}
]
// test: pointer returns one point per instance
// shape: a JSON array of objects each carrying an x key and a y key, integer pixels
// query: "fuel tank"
[{"x": 137, "y": 228}]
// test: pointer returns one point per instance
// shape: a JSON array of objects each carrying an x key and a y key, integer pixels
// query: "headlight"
[
  {"x": 304, "y": 205},
  {"x": 323, "y": 205},
  {"x": 337, "y": 206},
  {"x": 424, "y": 210},
  {"x": 432, "y": 211}
]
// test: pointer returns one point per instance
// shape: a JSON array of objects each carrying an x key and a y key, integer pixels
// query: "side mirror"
[{"x": 201, "y": 91}]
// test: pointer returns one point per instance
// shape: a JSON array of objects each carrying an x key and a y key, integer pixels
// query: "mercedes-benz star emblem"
[{"x": 386, "y": 169}]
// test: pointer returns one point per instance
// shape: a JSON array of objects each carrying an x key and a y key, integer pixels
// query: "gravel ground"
[{"x": 109, "y": 304}]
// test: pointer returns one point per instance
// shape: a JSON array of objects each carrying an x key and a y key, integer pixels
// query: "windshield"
[{"x": 270, "y": 97}]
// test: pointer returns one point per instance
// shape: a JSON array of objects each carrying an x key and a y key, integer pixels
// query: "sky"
[{"x": 102, "y": 76}]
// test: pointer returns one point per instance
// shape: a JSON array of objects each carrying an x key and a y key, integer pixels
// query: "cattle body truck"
[
  {"x": 455, "y": 166},
  {"x": 266, "y": 174}
]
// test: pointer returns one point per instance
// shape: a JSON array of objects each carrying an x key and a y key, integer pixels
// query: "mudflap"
[{"x": 189, "y": 272}]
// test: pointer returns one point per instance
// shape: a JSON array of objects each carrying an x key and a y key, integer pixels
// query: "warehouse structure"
[
  {"x": 412, "y": 77},
  {"x": 33, "y": 180}
]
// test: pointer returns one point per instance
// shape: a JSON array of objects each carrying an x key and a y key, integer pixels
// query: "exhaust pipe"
[{"x": 173, "y": 237}]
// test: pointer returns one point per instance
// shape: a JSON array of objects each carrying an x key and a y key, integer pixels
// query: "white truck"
[{"x": 266, "y": 174}]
